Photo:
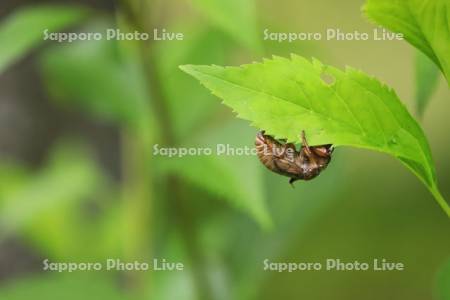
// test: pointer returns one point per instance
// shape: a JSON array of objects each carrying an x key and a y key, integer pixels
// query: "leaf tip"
[{"x": 186, "y": 68}]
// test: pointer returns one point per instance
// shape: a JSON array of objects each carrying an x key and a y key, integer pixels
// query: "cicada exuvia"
[{"x": 284, "y": 159}]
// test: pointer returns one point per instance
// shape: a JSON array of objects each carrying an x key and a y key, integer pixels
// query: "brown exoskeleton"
[{"x": 284, "y": 159}]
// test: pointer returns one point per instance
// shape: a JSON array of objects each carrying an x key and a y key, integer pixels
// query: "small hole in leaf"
[{"x": 327, "y": 78}]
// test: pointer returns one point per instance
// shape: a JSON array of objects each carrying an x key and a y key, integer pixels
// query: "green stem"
[
  {"x": 137, "y": 207},
  {"x": 176, "y": 196},
  {"x": 440, "y": 200},
  {"x": 137, "y": 192}
]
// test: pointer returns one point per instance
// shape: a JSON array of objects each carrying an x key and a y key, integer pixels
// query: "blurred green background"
[{"x": 79, "y": 183}]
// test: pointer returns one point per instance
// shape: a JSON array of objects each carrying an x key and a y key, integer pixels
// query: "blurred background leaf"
[
  {"x": 238, "y": 18},
  {"x": 239, "y": 181},
  {"x": 83, "y": 178},
  {"x": 235, "y": 178},
  {"x": 92, "y": 76},
  {"x": 52, "y": 207},
  {"x": 203, "y": 46},
  {"x": 424, "y": 24},
  {"x": 24, "y": 29},
  {"x": 427, "y": 75},
  {"x": 64, "y": 286},
  {"x": 174, "y": 285}
]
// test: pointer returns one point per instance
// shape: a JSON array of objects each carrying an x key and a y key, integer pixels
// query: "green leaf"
[
  {"x": 203, "y": 48},
  {"x": 67, "y": 177},
  {"x": 235, "y": 178},
  {"x": 91, "y": 76},
  {"x": 235, "y": 17},
  {"x": 424, "y": 23},
  {"x": 64, "y": 286},
  {"x": 173, "y": 285},
  {"x": 12, "y": 177},
  {"x": 427, "y": 75},
  {"x": 49, "y": 208},
  {"x": 24, "y": 29},
  {"x": 345, "y": 108}
]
